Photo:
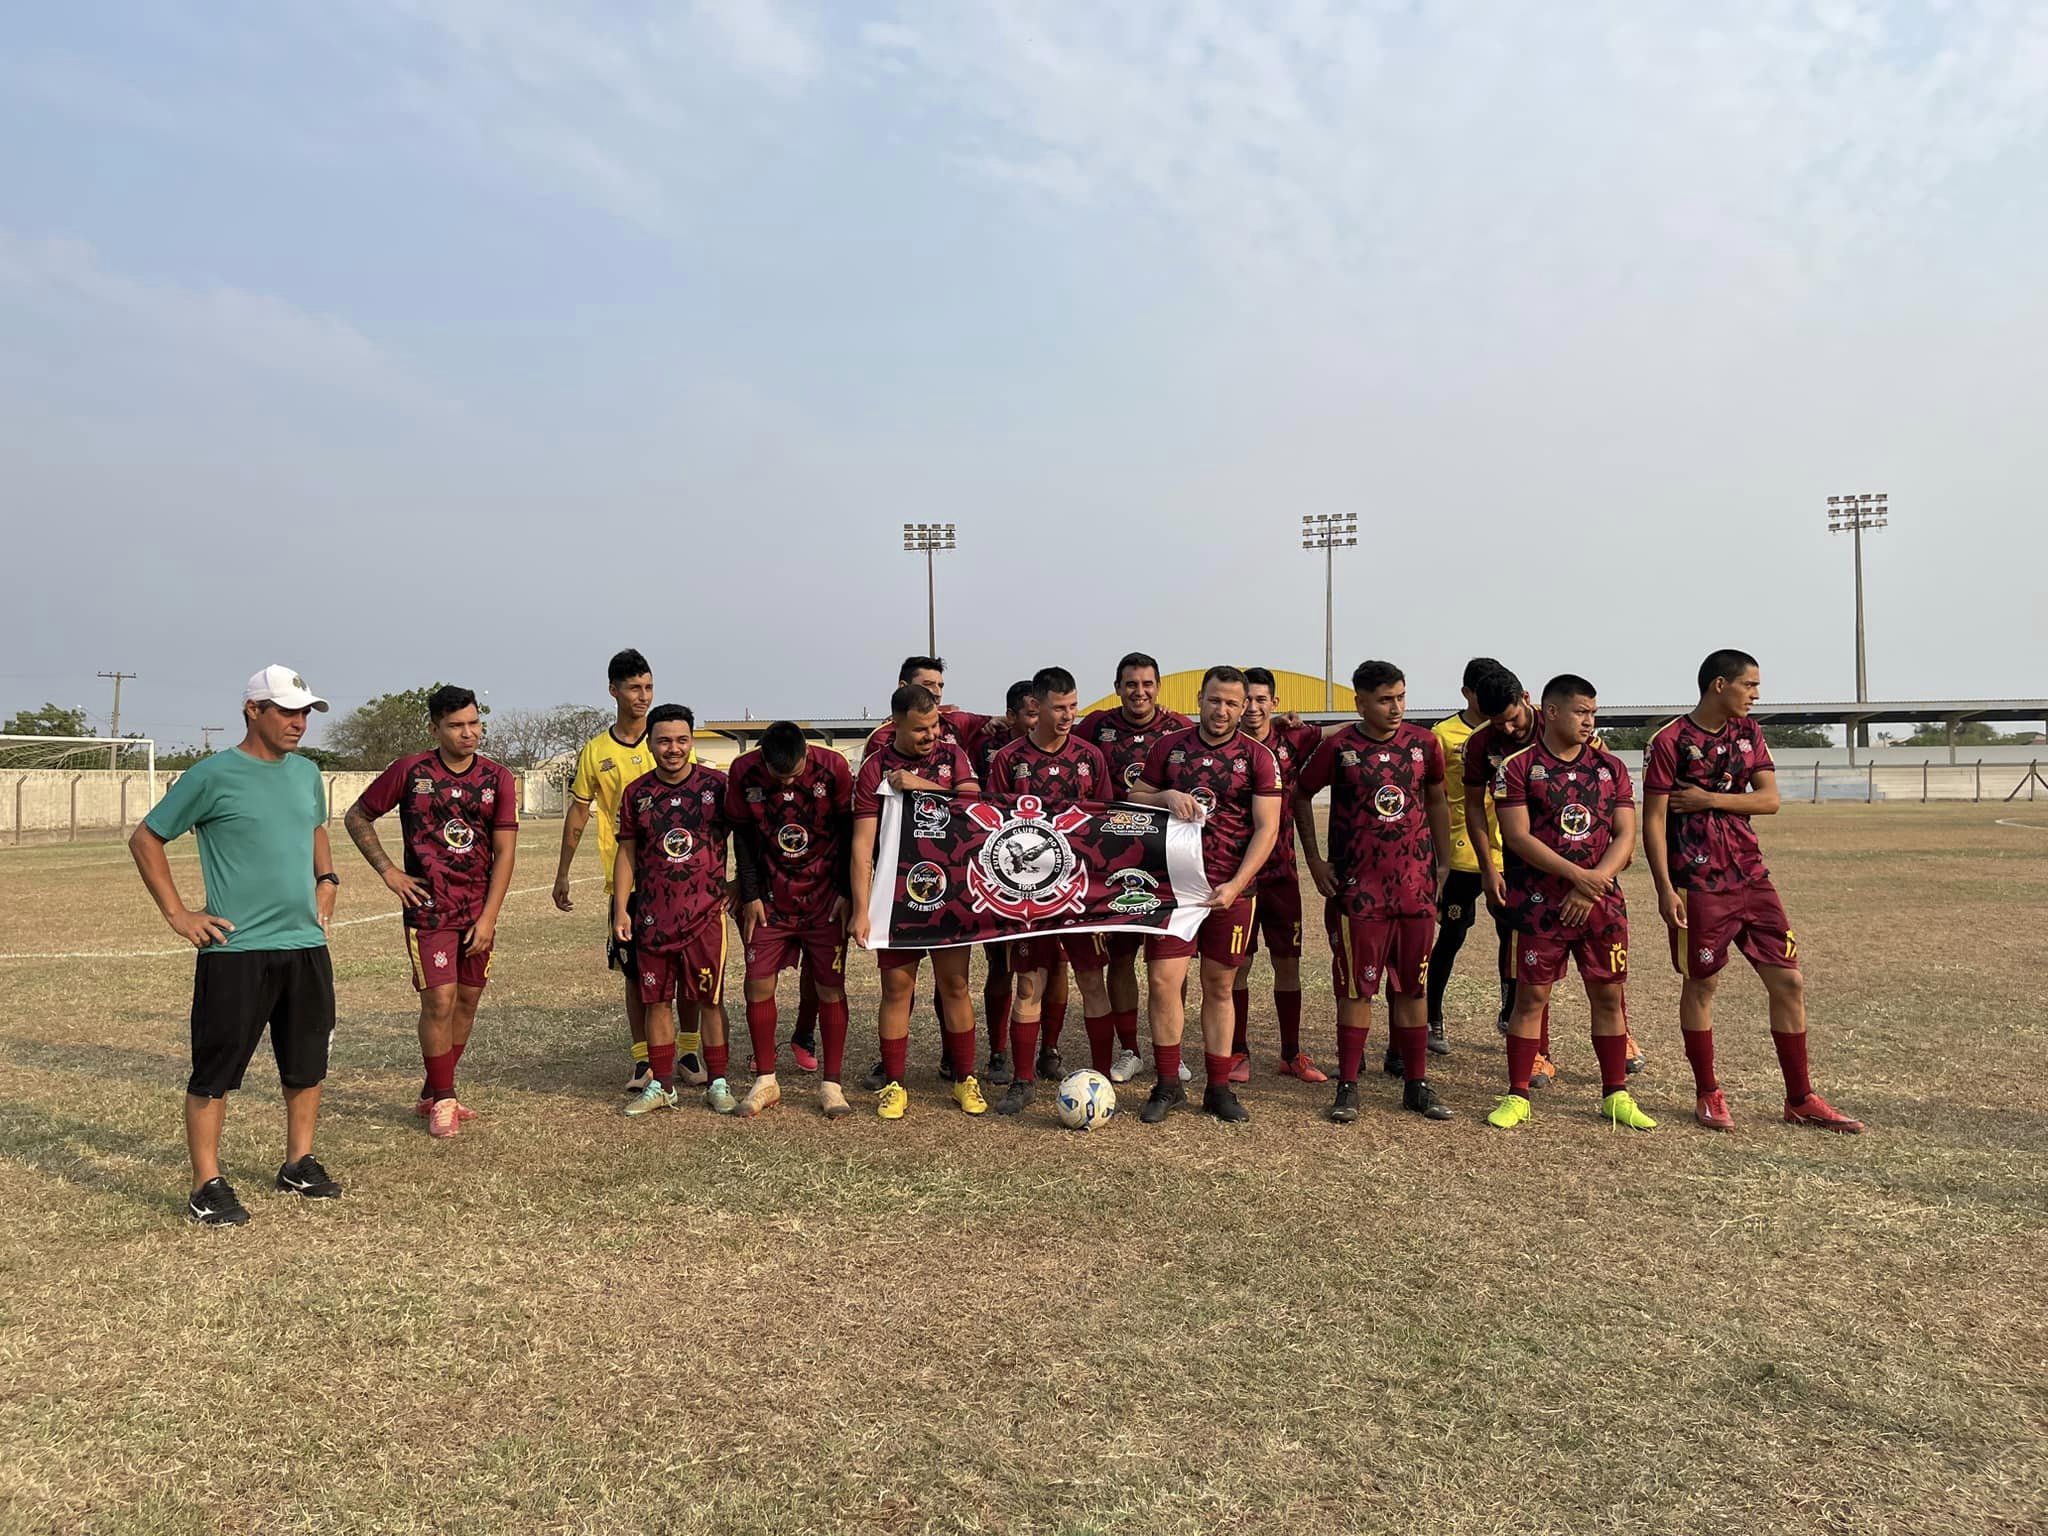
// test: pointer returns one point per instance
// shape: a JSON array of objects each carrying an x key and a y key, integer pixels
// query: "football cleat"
[
  {"x": 1049, "y": 1064},
  {"x": 652, "y": 1096},
  {"x": 892, "y": 1102},
  {"x": 1218, "y": 1100},
  {"x": 1439, "y": 1042},
  {"x": 1509, "y": 1111},
  {"x": 1818, "y": 1112},
  {"x": 1240, "y": 1067},
  {"x": 877, "y": 1078},
  {"x": 718, "y": 1097},
  {"x": 1345, "y": 1110},
  {"x": 766, "y": 1093},
  {"x": 1015, "y": 1098},
  {"x": 832, "y": 1101},
  {"x": 690, "y": 1069},
  {"x": 1636, "y": 1060},
  {"x": 214, "y": 1204},
  {"x": 1125, "y": 1065},
  {"x": 1620, "y": 1107},
  {"x": 1300, "y": 1066},
  {"x": 445, "y": 1118},
  {"x": 643, "y": 1074},
  {"x": 967, "y": 1094},
  {"x": 425, "y": 1107},
  {"x": 1542, "y": 1070},
  {"x": 802, "y": 1053},
  {"x": 1421, "y": 1098},
  {"x": 1392, "y": 1064},
  {"x": 1712, "y": 1111},
  {"x": 998, "y": 1070},
  {"x": 1165, "y": 1096},
  {"x": 306, "y": 1177}
]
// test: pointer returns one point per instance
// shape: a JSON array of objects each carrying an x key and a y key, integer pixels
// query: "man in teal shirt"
[{"x": 260, "y": 812}]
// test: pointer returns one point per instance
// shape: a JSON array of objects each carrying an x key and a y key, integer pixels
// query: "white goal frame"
[{"x": 79, "y": 744}]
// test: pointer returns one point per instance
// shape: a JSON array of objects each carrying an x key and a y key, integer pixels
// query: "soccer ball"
[{"x": 1085, "y": 1100}]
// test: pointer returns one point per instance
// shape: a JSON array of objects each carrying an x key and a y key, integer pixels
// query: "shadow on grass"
[
  {"x": 67, "y": 1149},
  {"x": 98, "y": 1059}
]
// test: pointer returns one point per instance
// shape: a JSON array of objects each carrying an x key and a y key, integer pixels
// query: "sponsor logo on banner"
[
  {"x": 1026, "y": 868},
  {"x": 925, "y": 886},
  {"x": 1126, "y": 823},
  {"x": 930, "y": 816},
  {"x": 1137, "y": 893}
]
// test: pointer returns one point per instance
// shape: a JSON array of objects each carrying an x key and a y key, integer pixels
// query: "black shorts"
[
  {"x": 1461, "y": 899},
  {"x": 235, "y": 994},
  {"x": 620, "y": 956}
]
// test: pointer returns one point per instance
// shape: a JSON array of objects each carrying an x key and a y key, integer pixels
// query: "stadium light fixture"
[
  {"x": 1852, "y": 515},
  {"x": 1329, "y": 532},
  {"x": 928, "y": 539}
]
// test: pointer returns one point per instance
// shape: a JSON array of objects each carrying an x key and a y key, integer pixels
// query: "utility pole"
[
  {"x": 1851, "y": 515},
  {"x": 206, "y": 737},
  {"x": 114, "y": 725},
  {"x": 927, "y": 539},
  {"x": 1329, "y": 531}
]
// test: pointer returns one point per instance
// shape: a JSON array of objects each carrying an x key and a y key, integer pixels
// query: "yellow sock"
[
  {"x": 689, "y": 1041},
  {"x": 639, "y": 1053}
]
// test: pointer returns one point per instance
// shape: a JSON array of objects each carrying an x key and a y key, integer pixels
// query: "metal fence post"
[
  {"x": 1816, "y": 781},
  {"x": 20, "y": 783},
  {"x": 124, "y": 803},
  {"x": 1980, "y": 779},
  {"x": 1870, "y": 783},
  {"x": 1923, "y": 780},
  {"x": 74, "y": 806}
]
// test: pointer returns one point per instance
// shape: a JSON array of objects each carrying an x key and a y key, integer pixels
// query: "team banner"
[{"x": 952, "y": 871}]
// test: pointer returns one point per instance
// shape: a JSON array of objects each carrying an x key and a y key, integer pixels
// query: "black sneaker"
[
  {"x": 877, "y": 1078},
  {"x": 1439, "y": 1042},
  {"x": 1421, "y": 1098},
  {"x": 1218, "y": 1100},
  {"x": 306, "y": 1177},
  {"x": 1164, "y": 1097},
  {"x": 1014, "y": 1100},
  {"x": 1392, "y": 1064},
  {"x": 1345, "y": 1110},
  {"x": 998, "y": 1068},
  {"x": 1049, "y": 1064},
  {"x": 945, "y": 1065},
  {"x": 213, "y": 1204}
]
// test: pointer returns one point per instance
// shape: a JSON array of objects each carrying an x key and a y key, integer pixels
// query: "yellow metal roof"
[{"x": 1179, "y": 690}]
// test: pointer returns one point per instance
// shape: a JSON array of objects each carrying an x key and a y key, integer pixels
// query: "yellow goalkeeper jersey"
[
  {"x": 604, "y": 768},
  {"x": 1454, "y": 733}
]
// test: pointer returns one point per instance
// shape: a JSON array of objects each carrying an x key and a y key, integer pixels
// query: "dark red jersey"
[
  {"x": 995, "y": 736},
  {"x": 946, "y": 766},
  {"x": 1490, "y": 746},
  {"x": 1224, "y": 778},
  {"x": 1709, "y": 850},
  {"x": 957, "y": 727},
  {"x": 1078, "y": 771},
  {"x": 447, "y": 819},
  {"x": 1572, "y": 804},
  {"x": 678, "y": 832},
  {"x": 801, "y": 828},
  {"x": 1381, "y": 846},
  {"x": 1126, "y": 746},
  {"x": 1292, "y": 747}
]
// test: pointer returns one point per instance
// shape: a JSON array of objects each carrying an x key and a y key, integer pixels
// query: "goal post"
[{"x": 80, "y": 754}]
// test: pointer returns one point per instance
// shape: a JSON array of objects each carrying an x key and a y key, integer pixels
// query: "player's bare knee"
[
  {"x": 437, "y": 1004},
  {"x": 1787, "y": 986}
]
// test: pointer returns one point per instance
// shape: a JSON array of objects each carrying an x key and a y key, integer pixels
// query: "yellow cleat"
[
  {"x": 892, "y": 1102},
  {"x": 1509, "y": 1111},
  {"x": 967, "y": 1094},
  {"x": 1620, "y": 1107}
]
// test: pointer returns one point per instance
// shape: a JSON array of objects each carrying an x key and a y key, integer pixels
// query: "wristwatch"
[{"x": 330, "y": 878}]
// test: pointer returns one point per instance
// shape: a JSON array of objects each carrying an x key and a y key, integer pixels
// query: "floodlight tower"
[
  {"x": 1851, "y": 515},
  {"x": 1329, "y": 532},
  {"x": 928, "y": 539}
]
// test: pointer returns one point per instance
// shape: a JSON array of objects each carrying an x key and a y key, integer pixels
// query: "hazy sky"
[{"x": 471, "y": 339}]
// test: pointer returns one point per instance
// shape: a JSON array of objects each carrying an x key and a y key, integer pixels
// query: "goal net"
[{"x": 108, "y": 755}]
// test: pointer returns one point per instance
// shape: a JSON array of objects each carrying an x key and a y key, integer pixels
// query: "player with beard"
[
  {"x": 1390, "y": 832},
  {"x": 789, "y": 803},
  {"x": 1292, "y": 742},
  {"x": 1125, "y": 733},
  {"x": 1707, "y": 774},
  {"x": 1568, "y": 820},
  {"x": 1059, "y": 770},
  {"x": 915, "y": 757},
  {"x": 1216, "y": 774}
]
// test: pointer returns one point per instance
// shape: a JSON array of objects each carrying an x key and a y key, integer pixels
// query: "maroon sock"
[
  {"x": 1053, "y": 1026},
  {"x": 1101, "y": 1041},
  {"x": 832, "y": 1026},
  {"x": 1288, "y": 1006},
  {"x": 717, "y": 1058},
  {"x": 661, "y": 1061},
  {"x": 1543, "y": 1032},
  {"x": 458, "y": 1050},
  {"x": 1024, "y": 1034},
  {"x": 995, "y": 1002},
  {"x": 1699, "y": 1050},
  {"x": 1613, "y": 1053},
  {"x": 441, "y": 1075},
  {"x": 1240, "y": 1005},
  {"x": 1166, "y": 1062},
  {"x": 761, "y": 1030},
  {"x": 1792, "y": 1062},
  {"x": 1350, "y": 1052},
  {"x": 1522, "y": 1051},
  {"x": 960, "y": 1053},
  {"x": 896, "y": 1059},
  {"x": 1413, "y": 1043},
  {"x": 1217, "y": 1068},
  {"x": 1126, "y": 1024}
]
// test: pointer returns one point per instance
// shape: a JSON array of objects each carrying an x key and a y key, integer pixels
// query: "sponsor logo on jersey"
[
  {"x": 1575, "y": 821},
  {"x": 1390, "y": 801},
  {"x": 423, "y": 786},
  {"x": 793, "y": 839},
  {"x": 676, "y": 844},
  {"x": 458, "y": 834},
  {"x": 755, "y": 795},
  {"x": 1205, "y": 797}
]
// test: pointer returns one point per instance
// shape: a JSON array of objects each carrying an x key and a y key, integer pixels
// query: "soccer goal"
[{"x": 65, "y": 784}]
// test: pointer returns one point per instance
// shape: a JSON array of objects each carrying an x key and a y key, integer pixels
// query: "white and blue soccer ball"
[{"x": 1086, "y": 1099}]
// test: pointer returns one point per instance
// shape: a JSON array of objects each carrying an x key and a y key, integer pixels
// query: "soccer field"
[{"x": 563, "y": 1320}]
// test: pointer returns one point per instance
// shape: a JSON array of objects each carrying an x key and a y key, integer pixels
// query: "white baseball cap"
[{"x": 283, "y": 687}]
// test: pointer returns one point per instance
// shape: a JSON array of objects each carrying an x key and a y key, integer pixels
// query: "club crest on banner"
[{"x": 1026, "y": 868}]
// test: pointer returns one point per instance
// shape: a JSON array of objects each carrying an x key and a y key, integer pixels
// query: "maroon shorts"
[
  {"x": 1084, "y": 952},
  {"x": 693, "y": 973},
  {"x": 1279, "y": 920},
  {"x": 1368, "y": 951},
  {"x": 1225, "y": 937},
  {"x": 1600, "y": 949},
  {"x": 438, "y": 960},
  {"x": 822, "y": 951},
  {"x": 1719, "y": 924},
  {"x": 1124, "y": 946}
]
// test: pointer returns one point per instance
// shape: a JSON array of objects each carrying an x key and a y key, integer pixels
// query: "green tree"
[
  {"x": 47, "y": 721},
  {"x": 386, "y": 727},
  {"x": 1626, "y": 738},
  {"x": 1796, "y": 736},
  {"x": 1969, "y": 733}
]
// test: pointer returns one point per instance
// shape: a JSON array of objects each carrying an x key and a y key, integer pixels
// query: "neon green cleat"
[
  {"x": 719, "y": 1097},
  {"x": 1620, "y": 1107},
  {"x": 1509, "y": 1111}
]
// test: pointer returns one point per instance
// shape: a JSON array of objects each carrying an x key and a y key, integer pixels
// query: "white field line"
[
  {"x": 30, "y": 867},
  {"x": 2031, "y": 826},
  {"x": 187, "y": 949}
]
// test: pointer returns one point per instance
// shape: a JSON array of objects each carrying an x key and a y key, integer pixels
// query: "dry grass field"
[{"x": 565, "y": 1321}]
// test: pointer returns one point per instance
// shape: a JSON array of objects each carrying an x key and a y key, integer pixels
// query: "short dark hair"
[
  {"x": 1372, "y": 676},
  {"x": 1569, "y": 685},
  {"x": 1136, "y": 659},
  {"x": 447, "y": 699},
  {"x": 1047, "y": 681},
  {"x": 911, "y": 699},
  {"x": 1019, "y": 691},
  {"x": 783, "y": 747},
  {"x": 1220, "y": 675},
  {"x": 1477, "y": 668},
  {"x": 1498, "y": 689},
  {"x": 1262, "y": 677},
  {"x": 920, "y": 664},
  {"x": 628, "y": 663},
  {"x": 1725, "y": 666},
  {"x": 663, "y": 714}
]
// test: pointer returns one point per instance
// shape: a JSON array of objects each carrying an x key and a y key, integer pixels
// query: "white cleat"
[{"x": 1125, "y": 1065}]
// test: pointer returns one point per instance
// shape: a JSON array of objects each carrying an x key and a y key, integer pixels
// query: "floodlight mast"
[
  {"x": 1329, "y": 532},
  {"x": 1851, "y": 515},
  {"x": 928, "y": 539}
]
